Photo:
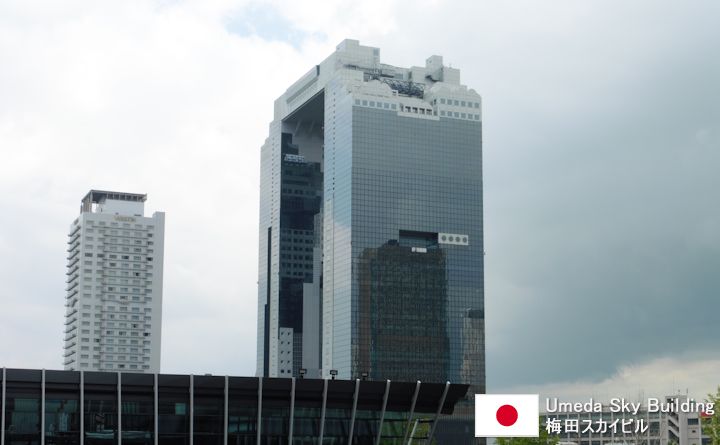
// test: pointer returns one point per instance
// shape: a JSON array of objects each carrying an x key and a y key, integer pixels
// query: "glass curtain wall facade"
[
  {"x": 371, "y": 222},
  {"x": 413, "y": 180},
  {"x": 394, "y": 276},
  {"x": 77, "y": 408}
]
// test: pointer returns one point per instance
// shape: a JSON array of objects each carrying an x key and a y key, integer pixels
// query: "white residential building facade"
[{"x": 114, "y": 285}]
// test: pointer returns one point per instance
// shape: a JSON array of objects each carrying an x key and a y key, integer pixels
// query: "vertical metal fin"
[
  {"x": 382, "y": 413},
  {"x": 437, "y": 413},
  {"x": 226, "y": 410},
  {"x": 322, "y": 412},
  {"x": 2, "y": 403},
  {"x": 259, "y": 413},
  {"x": 292, "y": 412},
  {"x": 119, "y": 407},
  {"x": 82, "y": 407},
  {"x": 156, "y": 409},
  {"x": 412, "y": 412},
  {"x": 354, "y": 410},
  {"x": 192, "y": 409},
  {"x": 42, "y": 408}
]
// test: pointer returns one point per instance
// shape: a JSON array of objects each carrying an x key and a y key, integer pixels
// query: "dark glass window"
[
  {"x": 62, "y": 408},
  {"x": 22, "y": 408},
  {"x": 100, "y": 410},
  {"x": 173, "y": 410},
  {"x": 393, "y": 427},
  {"x": 308, "y": 409},
  {"x": 208, "y": 410},
  {"x": 366, "y": 423},
  {"x": 138, "y": 407},
  {"x": 367, "y": 418},
  {"x": 339, "y": 408},
  {"x": 242, "y": 411},
  {"x": 276, "y": 410}
]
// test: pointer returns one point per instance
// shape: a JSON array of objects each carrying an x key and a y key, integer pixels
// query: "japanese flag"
[{"x": 506, "y": 415}]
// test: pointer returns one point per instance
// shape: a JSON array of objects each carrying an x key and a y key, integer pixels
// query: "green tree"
[
  {"x": 711, "y": 425},
  {"x": 544, "y": 438}
]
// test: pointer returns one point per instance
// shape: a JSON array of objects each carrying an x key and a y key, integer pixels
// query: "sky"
[{"x": 601, "y": 146}]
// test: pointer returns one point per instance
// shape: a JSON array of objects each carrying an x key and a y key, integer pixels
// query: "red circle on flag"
[{"x": 506, "y": 415}]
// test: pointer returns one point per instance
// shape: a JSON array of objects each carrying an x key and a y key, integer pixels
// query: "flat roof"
[
  {"x": 340, "y": 393},
  {"x": 96, "y": 196}
]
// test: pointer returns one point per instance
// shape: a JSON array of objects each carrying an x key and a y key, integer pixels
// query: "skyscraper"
[
  {"x": 371, "y": 234},
  {"x": 114, "y": 285}
]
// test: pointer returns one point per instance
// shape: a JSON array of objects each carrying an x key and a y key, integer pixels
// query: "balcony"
[
  {"x": 73, "y": 261},
  {"x": 74, "y": 237},
  {"x": 74, "y": 230},
  {"x": 72, "y": 286}
]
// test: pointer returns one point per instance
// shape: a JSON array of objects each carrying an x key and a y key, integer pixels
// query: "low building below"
[{"x": 88, "y": 408}]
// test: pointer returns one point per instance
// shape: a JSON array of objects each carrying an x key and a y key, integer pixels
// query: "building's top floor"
[
  {"x": 350, "y": 54},
  {"x": 118, "y": 203},
  {"x": 359, "y": 67}
]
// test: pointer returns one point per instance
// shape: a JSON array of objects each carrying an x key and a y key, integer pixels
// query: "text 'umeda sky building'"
[{"x": 371, "y": 234}]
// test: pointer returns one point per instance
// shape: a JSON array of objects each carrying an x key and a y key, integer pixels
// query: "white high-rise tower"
[{"x": 114, "y": 285}]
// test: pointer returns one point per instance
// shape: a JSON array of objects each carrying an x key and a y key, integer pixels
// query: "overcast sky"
[{"x": 601, "y": 170}]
